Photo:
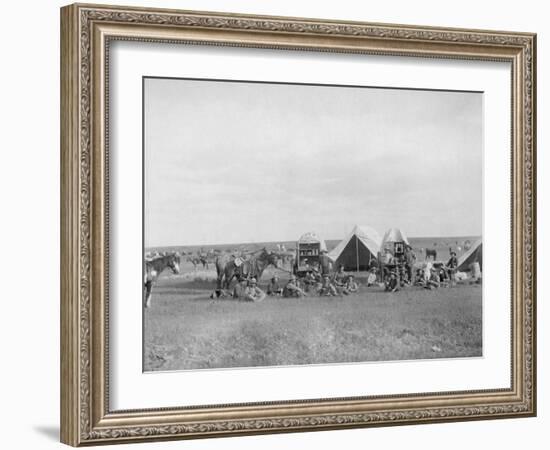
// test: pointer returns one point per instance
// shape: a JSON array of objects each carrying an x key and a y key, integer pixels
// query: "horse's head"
[{"x": 174, "y": 263}]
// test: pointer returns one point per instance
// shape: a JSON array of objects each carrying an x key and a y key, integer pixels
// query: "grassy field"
[{"x": 185, "y": 329}]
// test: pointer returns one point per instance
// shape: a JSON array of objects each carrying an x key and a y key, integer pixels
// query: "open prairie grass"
[{"x": 185, "y": 329}]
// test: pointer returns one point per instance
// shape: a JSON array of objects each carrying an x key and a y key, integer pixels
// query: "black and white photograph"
[{"x": 296, "y": 224}]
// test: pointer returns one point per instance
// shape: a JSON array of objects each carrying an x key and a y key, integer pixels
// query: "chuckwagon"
[
  {"x": 308, "y": 251},
  {"x": 392, "y": 257}
]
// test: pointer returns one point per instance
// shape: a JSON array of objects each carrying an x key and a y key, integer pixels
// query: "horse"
[
  {"x": 286, "y": 258},
  {"x": 154, "y": 267},
  {"x": 431, "y": 252},
  {"x": 196, "y": 260},
  {"x": 227, "y": 268}
]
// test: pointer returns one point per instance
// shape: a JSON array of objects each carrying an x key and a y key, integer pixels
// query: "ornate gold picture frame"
[{"x": 87, "y": 31}]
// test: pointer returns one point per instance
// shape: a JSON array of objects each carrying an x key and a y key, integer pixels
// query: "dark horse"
[
  {"x": 431, "y": 252},
  {"x": 196, "y": 260},
  {"x": 227, "y": 269},
  {"x": 154, "y": 267}
]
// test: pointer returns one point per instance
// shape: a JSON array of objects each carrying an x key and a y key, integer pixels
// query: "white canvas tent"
[
  {"x": 357, "y": 250},
  {"x": 474, "y": 254},
  {"x": 392, "y": 236}
]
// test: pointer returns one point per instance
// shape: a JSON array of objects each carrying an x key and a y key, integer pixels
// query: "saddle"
[{"x": 238, "y": 261}]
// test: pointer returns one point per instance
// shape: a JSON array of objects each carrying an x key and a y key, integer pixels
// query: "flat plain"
[{"x": 186, "y": 329}]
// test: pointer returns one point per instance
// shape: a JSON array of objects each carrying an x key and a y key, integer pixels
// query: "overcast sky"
[{"x": 229, "y": 162}]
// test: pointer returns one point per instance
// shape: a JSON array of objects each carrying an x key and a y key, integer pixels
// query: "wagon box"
[{"x": 308, "y": 251}]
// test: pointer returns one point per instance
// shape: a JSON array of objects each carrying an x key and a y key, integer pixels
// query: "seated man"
[
  {"x": 371, "y": 278},
  {"x": 419, "y": 279},
  {"x": 327, "y": 288},
  {"x": 253, "y": 293},
  {"x": 273, "y": 287},
  {"x": 292, "y": 289},
  {"x": 310, "y": 280},
  {"x": 392, "y": 283},
  {"x": 433, "y": 282},
  {"x": 351, "y": 286},
  {"x": 240, "y": 288},
  {"x": 340, "y": 278}
]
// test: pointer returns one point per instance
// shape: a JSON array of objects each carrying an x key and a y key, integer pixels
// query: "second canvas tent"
[
  {"x": 393, "y": 236},
  {"x": 473, "y": 255},
  {"x": 357, "y": 250}
]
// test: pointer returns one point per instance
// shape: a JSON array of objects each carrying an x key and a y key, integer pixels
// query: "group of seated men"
[
  {"x": 341, "y": 283},
  {"x": 322, "y": 284},
  {"x": 248, "y": 290},
  {"x": 314, "y": 283}
]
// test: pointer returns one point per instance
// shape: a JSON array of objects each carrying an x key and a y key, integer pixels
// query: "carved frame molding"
[{"x": 86, "y": 32}]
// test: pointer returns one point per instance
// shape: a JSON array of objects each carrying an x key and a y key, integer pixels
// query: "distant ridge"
[{"x": 416, "y": 242}]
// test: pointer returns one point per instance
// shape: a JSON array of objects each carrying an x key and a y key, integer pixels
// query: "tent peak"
[{"x": 366, "y": 238}]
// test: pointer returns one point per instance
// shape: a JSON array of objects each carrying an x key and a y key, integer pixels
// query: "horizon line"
[{"x": 296, "y": 240}]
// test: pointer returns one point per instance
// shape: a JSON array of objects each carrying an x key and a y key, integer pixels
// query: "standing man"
[
  {"x": 325, "y": 263},
  {"x": 410, "y": 261},
  {"x": 452, "y": 266},
  {"x": 386, "y": 258}
]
